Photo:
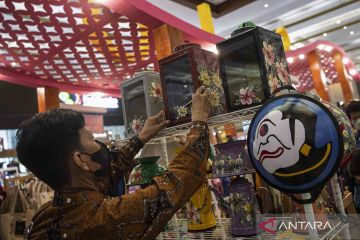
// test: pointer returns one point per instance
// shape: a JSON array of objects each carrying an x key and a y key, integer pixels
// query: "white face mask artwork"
[
  {"x": 356, "y": 123},
  {"x": 273, "y": 145}
]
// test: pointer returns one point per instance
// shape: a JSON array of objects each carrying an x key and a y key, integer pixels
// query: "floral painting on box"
[
  {"x": 155, "y": 91},
  {"x": 275, "y": 64},
  {"x": 136, "y": 125}
]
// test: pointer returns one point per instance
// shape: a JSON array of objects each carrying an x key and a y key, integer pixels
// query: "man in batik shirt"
[{"x": 60, "y": 151}]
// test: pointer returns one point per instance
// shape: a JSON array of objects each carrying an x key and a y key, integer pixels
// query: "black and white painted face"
[{"x": 273, "y": 145}]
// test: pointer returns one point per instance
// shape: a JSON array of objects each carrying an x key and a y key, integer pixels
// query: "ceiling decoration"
[
  {"x": 300, "y": 68},
  {"x": 74, "y": 42}
]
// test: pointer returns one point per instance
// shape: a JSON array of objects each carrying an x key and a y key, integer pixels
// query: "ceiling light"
[
  {"x": 324, "y": 34},
  {"x": 13, "y": 64},
  {"x": 346, "y": 60},
  {"x": 301, "y": 56},
  {"x": 352, "y": 71},
  {"x": 338, "y": 21},
  {"x": 290, "y": 60},
  {"x": 266, "y": 5},
  {"x": 352, "y": 32},
  {"x": 345, "y": 27}
]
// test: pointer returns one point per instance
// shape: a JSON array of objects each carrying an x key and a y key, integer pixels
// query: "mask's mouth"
[{"x": 268, "y": 154}]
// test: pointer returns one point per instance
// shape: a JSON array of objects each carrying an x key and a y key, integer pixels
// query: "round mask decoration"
[
  {"x": 295, "y": 144},
  {"x": 345, "y": 129}
]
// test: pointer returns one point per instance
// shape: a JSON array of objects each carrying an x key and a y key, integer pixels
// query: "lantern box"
[
  {"x": 141, "y": 99},
  {"x": 188, "y": 68},
  {"x": 252, "y": 66}
]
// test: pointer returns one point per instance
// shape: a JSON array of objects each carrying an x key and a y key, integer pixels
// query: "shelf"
[
  {"x": 241, "y": 115},
  {"x": 223, "y": 228}
]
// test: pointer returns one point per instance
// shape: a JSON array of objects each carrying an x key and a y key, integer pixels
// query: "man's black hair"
[
  {"x": 45, "y": 143},
  {"x": 352, "y": 107}
]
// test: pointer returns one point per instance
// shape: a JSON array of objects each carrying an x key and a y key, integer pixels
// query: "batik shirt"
[{"x": 81, "y": 214}]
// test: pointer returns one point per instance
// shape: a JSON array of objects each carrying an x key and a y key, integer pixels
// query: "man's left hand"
[{"x": 153, "y": 125}]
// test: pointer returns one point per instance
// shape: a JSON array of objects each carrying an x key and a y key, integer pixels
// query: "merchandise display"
[
  {"x": 253, "y": 65},
  {"x": 142, "y": 98},
  {"x": 295, "y": 144},
  {"x": 242, "y": 207},
  {"x": 143, "y": 173},
  {"x": 199, "y": 211},
  {"x": 232, "y": 159},
  {"x": 251, "y": 132},
  {"x": 188, "y": 68}
]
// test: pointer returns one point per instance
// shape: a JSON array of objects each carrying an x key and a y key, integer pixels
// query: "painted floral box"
[
  {"x": 188, "y": 68},
  {"x": 252, "y": 66},
  {"x": 232, "y": 159},
  {"x": 142, "y": 98}
]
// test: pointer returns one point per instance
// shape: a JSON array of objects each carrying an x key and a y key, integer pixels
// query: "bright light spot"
[
  {"x": 213, "y": 49},
  {"x": 13, "y": 64},
  {"x": 328, "y": 48},
  {"x": 290, "y": 60},
  {"x": 321, "y": 46},
  {"x": 352, "y": 32},
  {"x": 338, "y": 21},
  {"x": 301, "y": 56},
  {"x": 214, "y": 133},
  {"x": 346, "y": 60},
  {"x": 325, "y": 34},
  {"x": 266, "y": 5},
  {"x": 352, "y": 71},
  {"x": 345, "y": 27}
]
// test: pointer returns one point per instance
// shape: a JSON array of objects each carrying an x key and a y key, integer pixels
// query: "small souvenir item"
[
  {"x": 143, "y": 173},
  {"x": 295, "y": 144},
  {"x": 188, "y": 68},
  {"x": 252, "y": 66},
  {"x": 232, "y": 159},
  {"x": 242, "y": 207},
  {"x": 142, "y": 98},
  {"x": 199, "y": 211}
]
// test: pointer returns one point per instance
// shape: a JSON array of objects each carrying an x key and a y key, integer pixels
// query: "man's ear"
[{"x": 80, "y": 161}]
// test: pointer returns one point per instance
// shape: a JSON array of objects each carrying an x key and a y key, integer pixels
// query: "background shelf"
[{"x": 223, "y": 231}]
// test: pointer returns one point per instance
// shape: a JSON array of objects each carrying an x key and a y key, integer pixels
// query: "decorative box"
[
  {"x": 182, "y": 73},
  {"x": 252, "y": 66},
  {"x": 232, "y": 159},
  {"x": 142, "y": 98}
]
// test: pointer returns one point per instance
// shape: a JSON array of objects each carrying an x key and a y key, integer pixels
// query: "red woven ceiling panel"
[{"x": 76, "y": 42}]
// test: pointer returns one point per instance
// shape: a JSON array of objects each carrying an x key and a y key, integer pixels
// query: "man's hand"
[
  {"x": 200, "y": 108},
  {"x": 152, "y": 126}
]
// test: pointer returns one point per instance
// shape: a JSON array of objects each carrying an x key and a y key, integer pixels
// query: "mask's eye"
[{"x": 264, "y": 129}]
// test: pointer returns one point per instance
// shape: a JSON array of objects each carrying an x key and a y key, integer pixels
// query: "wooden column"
[
  {"x": 316, "y": 74},
  {"x": 48, "y": 98},
  {"x": 166, "y": 38},
  {"x": 340, "y": 69}
]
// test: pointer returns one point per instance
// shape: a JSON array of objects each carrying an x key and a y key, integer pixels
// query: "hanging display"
[
  {"x": 232, "y": 159},
  {"x": 295, "y": 144},
  {"x": 252, "y": 65},
  {"x": 142, "y": 98},
  {"x": 188, "y": 68}
]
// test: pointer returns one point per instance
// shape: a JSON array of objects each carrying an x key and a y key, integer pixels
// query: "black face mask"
[{"x": 103, "y": 158}]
